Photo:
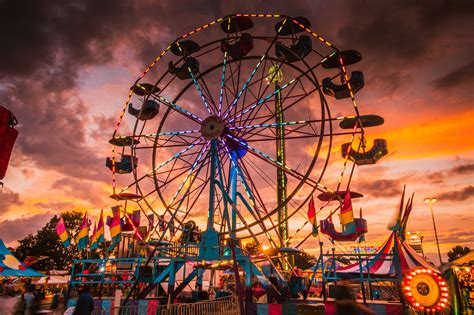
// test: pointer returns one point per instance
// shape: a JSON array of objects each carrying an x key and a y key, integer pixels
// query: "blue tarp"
[{"x": 12, "y": 267}]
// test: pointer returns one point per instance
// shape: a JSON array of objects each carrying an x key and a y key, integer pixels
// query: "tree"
[
  {"x": 253, "y": 248},
  {"x": 304, "y": 260},
  {"x": 46, "y": 242},
  {"x": 457, "y": 252}
]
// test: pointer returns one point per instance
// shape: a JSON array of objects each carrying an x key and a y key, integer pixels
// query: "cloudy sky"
[{"x": 66, "y": 67}]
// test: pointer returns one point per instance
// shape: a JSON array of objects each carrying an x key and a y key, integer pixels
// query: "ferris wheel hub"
[{"x": 212, "y": 127}]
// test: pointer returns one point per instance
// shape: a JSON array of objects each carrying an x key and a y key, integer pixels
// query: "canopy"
[
  {"x": 12, "y": 267},
  {"x": 383, "y": 265},
  {"x": 328, "y": 262},
  {"x": 53, "y": 280}
]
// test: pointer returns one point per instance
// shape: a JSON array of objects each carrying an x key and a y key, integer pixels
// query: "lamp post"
[{"x": 430, "y": 201}]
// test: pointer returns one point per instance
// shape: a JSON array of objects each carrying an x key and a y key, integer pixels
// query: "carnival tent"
[
  {"x": 12, "y": 267},
  {"x": 383, "y": 264}
]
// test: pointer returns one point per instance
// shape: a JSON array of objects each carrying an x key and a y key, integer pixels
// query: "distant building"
[{"x": 415, "y": 240}]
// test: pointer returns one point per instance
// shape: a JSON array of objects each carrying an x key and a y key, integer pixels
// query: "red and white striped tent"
[{"x": 383, "y": 264}]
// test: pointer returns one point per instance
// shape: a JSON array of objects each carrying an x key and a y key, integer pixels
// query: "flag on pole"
[
  {"x": 115, "y": 229},
  {"x": 406, "y": 214},
  {"x": 98, "y": 236},
  {"x": 94, "y": 231},
  {"x": 312, "y": 216},
  {"x": 62, "y": 233},
  {"x": 162, "y": 224},
  {"x": 347, "y": 214},
  {"x": 82, "y": 238}
]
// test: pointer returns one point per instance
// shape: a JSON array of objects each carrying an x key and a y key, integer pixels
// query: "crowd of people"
[{"x": 26, "y": 300}]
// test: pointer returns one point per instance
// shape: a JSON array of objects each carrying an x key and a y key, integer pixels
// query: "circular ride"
[
  {"x": 228, "y": 133},
  {"x": 425, "y": 290}
]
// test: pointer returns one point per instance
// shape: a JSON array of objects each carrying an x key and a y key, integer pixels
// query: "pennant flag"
[
  {"x": 98, "y": 236},
  {"x": 109, "y": 219},
  {"x": 406, "y": 214},
  {"x": 131, "y": 222},
  {"x": 82, "y": 238},
  {"x": 62, "y": 233},
  {"x": 94, "y": 231},
  {"x": 395, "y": 220},
  {"x": 149, "y": 231},
  {"x": 171, "y": 228},
  {"x": 136, "y": 232},
  {"x": 347, "y": 214},
  {"x": 115, "y": 229},
  {"x": 162, "y": 223},
  {"x": 312, "y": 216}
]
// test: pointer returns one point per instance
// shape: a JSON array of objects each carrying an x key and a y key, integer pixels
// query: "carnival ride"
[
  {"x": 234, "y": 134},
  {"x": 419, "y": 282}
]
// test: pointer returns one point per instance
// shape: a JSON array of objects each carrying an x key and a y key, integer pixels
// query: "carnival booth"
[{"x": 459, "y": 275}]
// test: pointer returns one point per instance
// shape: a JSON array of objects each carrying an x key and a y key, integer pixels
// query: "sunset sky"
[{"x": 66, "y": 68}]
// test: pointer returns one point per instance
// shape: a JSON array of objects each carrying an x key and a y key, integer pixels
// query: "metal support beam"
[{"x": 281, "y": 176}]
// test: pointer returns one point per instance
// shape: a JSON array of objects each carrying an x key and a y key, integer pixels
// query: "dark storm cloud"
[
  {"x": 441, "y": 176},
  {"x": 458, "y": 195},
  {"x": 458, "y": 77},
  {"x": 395, "y": 36},
  {"x": 380, "y": 188},
  {"x": 12, "y": 230},
  {"x": 49, "y": 42},
  {"x": 462, "y": 169},
  {"x": 39, "y": 34},
  {"x": 403, "y": 29}
]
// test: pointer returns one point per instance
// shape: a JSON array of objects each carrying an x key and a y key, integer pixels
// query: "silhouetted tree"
[
  {"x": 304, "y": 260},
  {"x": 253, "y": 248},
  {"x": 457, "y": 252}
]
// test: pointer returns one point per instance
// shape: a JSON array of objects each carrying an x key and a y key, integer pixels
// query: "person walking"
[
  {"x": 346, "y": 303},
  {"x": 85, "y": 303}
]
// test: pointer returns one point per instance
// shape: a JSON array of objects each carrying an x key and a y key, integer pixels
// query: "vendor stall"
[{"x": 459, "y": 275}]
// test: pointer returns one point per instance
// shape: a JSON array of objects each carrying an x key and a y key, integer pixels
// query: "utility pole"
[{"x": 430, "y": 201}]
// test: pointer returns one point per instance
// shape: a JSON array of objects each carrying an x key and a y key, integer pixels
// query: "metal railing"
[{"x": 218, "y": 307}]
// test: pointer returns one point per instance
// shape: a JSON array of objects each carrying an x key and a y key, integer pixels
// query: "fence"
[{"x": 217, "y": 307}]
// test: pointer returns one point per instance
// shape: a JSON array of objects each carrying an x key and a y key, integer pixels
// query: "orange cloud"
[{"x": 440, "y": 137}]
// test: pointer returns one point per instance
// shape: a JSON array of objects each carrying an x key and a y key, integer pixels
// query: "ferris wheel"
[{"x": 232, "y": 128}]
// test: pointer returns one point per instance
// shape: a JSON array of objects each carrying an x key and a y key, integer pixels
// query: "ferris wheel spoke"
[
  {"x": 250, "y": 118},
  {"x": 248, "y": 191},
  {"x": 177, "y": 108},
  {"x": 174, "y": 157},
  {"x": 262, "y": 204},
  {"x": 249, "y": 79},
  {"x": 221, "y": 90},
  {"x": 170, "y": 206},
  {"x": 271, "y": 117},
  {"x": 168, "y": 133},
  {"x": 193, "y": 167},
  {"x": 179, "y": 154},
  {"x": 201, "y": 94},
  {"x": 285, "y": 123},
  {"x": 262, "y": 101},
  {"x": 277, "y": 164}
]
